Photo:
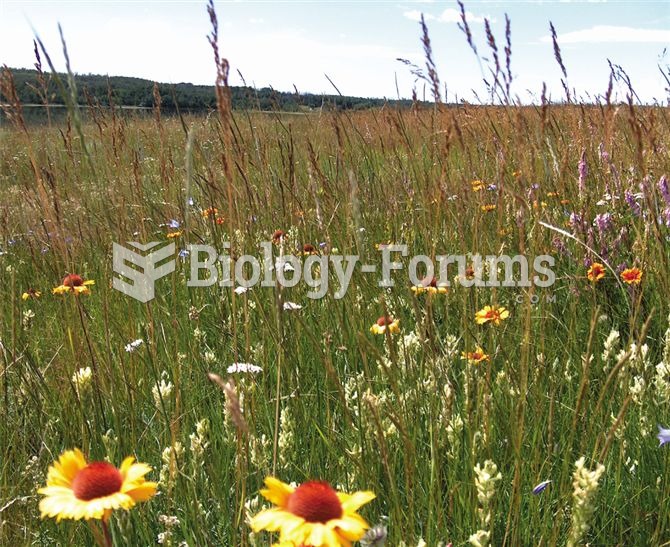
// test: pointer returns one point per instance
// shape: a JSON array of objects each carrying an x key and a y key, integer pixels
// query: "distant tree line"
[{"x": 137, "y": 92}]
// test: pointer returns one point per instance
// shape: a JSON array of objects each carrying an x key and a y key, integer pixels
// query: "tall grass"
[{"x": 405, "y": 416}]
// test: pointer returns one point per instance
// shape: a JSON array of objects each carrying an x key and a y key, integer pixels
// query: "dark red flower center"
[
  {"x": 315, "y": 501},
  {"x": 430, "y": 281},
  {"x": 384, "y": 320},
  {"x": 73, "y": 280},
  {"x": 96, "y": 480},
  {"x": 279, "y": 234},
  {"x": 307, "y": 248}
]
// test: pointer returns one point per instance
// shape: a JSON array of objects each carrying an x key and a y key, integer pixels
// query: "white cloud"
[
  {"x": 415, "y": 15},
  {"x": 601, "y": 34},
  {"x": 449, "y": 15}
]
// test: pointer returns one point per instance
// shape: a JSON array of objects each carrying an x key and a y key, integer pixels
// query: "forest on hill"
[{"x": 137, "y": 92}]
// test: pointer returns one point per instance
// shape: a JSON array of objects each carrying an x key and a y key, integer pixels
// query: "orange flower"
[
  {"x": 219, "y": 220},
  {"x": 477, "y": 185},
  {"x": 632, "y": 276},
  {"x": 278, "y": 236},
  {"x": 383, "y": 322},
  {"x": 492, "y": 314},
  {"x": 173, "y": 235},
  {"x": 475, "y": 357},
  {"x": 210, "y": 212},
  {"x": 596, "y": 272},
  {"x": 308, "y": 249},
  {"x": 74, "y": 283},
  {"x": 77, "y": 489},
  {"x": 488, "y": 207},
  {"x": 429, "y": 285}
]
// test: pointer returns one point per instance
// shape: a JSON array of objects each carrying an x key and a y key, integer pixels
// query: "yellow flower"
[
  {"x": 312, "y": 514},
  {"x": 477, "y": 185},
  {"x": 491, "y": 313},
  {"x": 488, "y": 207},
  {"x": 475, "y": 357},
  {"x": 632, "y": 276},
  {"x": 172, "y": 235},
  {"x": 210, "y": 212},
  {"x": 76, "y": 489},
  {"x": 31, "y": 293},
  {"x": 74, "y": 283},
  {"x": 596, "y": 272},
  {"x": 383, "y": 322},
  {"x": 429, "y": 285}
]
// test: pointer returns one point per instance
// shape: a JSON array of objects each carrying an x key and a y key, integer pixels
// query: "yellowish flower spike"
[
  {"x": 79, "y": 490},
  {"x": 312, "y": 514}
]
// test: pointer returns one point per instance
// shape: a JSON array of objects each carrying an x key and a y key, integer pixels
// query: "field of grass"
[{"x": 404, "y": 415}]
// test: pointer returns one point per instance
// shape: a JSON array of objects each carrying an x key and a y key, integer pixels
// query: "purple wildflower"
[
  {"x": 173, "y": 223},
  {"x": 603, "y": 222},
  {"x": 576, "y": 221},
  {"x": 663, "y": 436},
  {"x": 559, "y": 245},
  {"x": 632, "y": 203},
  {"x": 541, "y": 487},
  {"x": 583, "y": 171},
  {"x": 604, "y": 155},
  {"x": 664, "y": 188}
]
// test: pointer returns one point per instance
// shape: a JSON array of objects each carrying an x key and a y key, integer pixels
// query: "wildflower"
[
  {"x": 585, "y": 485},
  {"x": 631, "y": 200},
  {"x": 245, "y": 368},
  {"x": 383, "y": 322},
  {"x": 210, "y": 212},
  {"x": 219, "y": 220},
  {"x": 82, "y": 380},
  {"x": 173, "y": 224},
  {"x": 663, "y": 436},
  {"x": 475, "y": 357},
  {"x": 375, "y": 536},
  {"x": 173, "y": 235},
  {"x": 312, "y": 514},
  {"x": 487, "y": 208},
  {"x": 603, "y": 222},
  {"x": 74, "y": 283},
  {"x": 596, "y": 272},
  {"x": 583, "y": 171},
  {"x": 429, "y": 285},
  {"x": 291, "y": 306},
  {"x": 132, "y": 346},
  {"x": 278, "y": 236},
  {"x": 76, "y": 489},
  {"x": 477, "y": 185},
  {"x": 162, "y": 391},
  {"x": 541, "y": 487},
  {"x": 308, "y": 249},
  {"x": 632, "y": 276},
  {"x": 31, "y": 293},
  {"x": 491, "y": 313}
]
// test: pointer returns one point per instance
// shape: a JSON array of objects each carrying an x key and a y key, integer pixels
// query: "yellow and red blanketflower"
[
  {"x": 31, "y": 293},
  {"x": 430, "y": 286},
  {"x": 632, "y": 276},
  {"x": 475, "y": 357},
  {"x": 493, "y": 314},
  {"x": 477, "y": 185},
  {"x": 76, "y": 489},
  {"x": 74, "y": 283},
  {"x": 309, "y": 249},
  {"x": 278, "y": 236},
  {"x": 384, "y": 322},
  {"x": 312, "y": 514},
  {"x": 596, "y": 272}
]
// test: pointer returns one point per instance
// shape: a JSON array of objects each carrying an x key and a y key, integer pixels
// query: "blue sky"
[{"x": 356, "y": 43}]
